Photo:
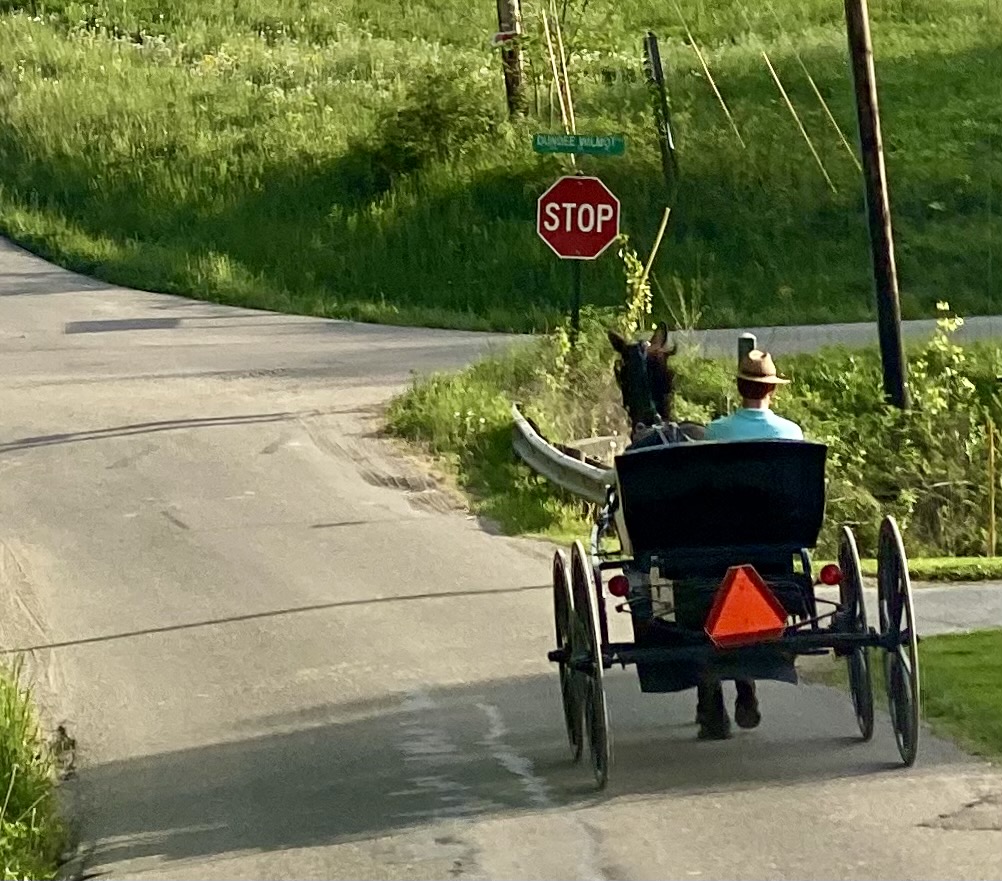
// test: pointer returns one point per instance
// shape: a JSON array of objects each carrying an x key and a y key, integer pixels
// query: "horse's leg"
[
  {"x": 711, "y": 713},
  {"x": 746, "y": 712}
]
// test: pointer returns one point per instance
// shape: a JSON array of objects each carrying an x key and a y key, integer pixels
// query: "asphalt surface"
[{"x": 283, "y": 652}]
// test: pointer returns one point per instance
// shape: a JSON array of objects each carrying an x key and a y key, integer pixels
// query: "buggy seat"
[{"x": 721, "y": 500}]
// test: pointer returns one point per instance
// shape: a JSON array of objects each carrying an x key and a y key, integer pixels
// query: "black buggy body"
[{"x": 698, "y": 515}]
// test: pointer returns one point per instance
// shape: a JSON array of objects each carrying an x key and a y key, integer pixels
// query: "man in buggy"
[
  {"x": 755, "y": 420},
  {"x": 647, "y": 384}
]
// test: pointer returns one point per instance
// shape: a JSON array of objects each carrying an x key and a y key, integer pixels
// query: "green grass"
[
  {"x": 351, "y": 158},
  {"x": 962, "y": 688},
  {"x": 961, "y": 680},
  {"x": 32, "y": 834}
]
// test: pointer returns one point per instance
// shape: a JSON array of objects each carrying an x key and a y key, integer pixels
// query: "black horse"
[{"x": 647, "y": 383}]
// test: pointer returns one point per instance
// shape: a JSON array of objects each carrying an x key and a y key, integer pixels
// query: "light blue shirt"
[{"x": 745, "y": 424}]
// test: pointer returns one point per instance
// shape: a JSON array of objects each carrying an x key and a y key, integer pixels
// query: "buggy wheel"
[
  {"x": 588, "y": 646},
  {"x": 570, "y": 687},
  {"x": 897, "y": 626},
  {"x": 853, "y": 617}
]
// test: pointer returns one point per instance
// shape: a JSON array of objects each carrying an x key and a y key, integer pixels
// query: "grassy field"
[
  {"x": 32, "y": 834},
  {"x": 353, "y": 158}
]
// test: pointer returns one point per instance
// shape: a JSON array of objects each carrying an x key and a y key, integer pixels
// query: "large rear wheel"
[{"x": 897, "y": 626}]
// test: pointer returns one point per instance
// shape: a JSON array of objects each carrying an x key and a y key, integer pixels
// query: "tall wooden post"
[
  {"x": 662, "y": 114},
  {"x": 512, "y": 61},
  {"x": 877, "y": 202}
]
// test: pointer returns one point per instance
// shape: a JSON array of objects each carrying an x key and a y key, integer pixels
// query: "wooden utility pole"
[
  {"x": 662, "y": 115},
  {"x": 512, "y": 61},
  {"x": 877, "y": 202}
]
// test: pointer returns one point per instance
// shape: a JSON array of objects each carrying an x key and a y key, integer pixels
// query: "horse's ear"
[
  {"x": 618, "y": 343},
  {"x": 659, "y": 341}
]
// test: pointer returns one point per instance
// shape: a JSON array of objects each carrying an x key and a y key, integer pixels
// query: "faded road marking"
[{"x": 535, "y": 787}]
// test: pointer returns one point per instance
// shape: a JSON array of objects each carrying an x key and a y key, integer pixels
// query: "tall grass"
[
  {"x": 31, "y": 831},
  {"x": 353, "y": 159}
]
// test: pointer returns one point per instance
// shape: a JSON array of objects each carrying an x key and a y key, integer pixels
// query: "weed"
[{"x": 31, "y": 832}]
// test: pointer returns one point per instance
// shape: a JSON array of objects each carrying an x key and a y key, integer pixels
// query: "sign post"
[{"x": 578, "y": 217}]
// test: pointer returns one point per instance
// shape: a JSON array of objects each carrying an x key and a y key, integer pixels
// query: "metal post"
[
  {"x": 877, "y": 202},
  {"x": 512, "y": 62},
  {"x": 575, "y": 301},
  {"x": 992, "y": 484}
]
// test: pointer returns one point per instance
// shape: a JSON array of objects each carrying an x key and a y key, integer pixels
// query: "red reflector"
[
  {"x": 831, "y": 575},
  {"x": 744, "y": 611},
  {"x": 619, "y": 585}
]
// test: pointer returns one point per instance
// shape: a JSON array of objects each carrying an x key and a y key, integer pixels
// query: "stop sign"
[{"x": 578, "y": 217}]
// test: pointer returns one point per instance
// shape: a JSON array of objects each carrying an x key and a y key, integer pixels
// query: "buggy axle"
[{"x": 626, "y": 654}]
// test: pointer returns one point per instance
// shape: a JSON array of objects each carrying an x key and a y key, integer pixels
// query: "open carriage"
[{"x": 716, "y": 575}]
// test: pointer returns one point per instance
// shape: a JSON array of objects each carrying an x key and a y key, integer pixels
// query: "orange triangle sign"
[{"x": 744, "y": 611}]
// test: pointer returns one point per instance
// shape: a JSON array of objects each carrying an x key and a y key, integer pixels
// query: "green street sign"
[{"x": 592, "y": 145}]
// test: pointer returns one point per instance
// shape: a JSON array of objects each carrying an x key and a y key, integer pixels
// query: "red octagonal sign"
[{"x": 578, "y": 217}]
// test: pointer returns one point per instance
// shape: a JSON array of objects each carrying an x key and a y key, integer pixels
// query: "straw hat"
[{"x": 758, "y": 366}]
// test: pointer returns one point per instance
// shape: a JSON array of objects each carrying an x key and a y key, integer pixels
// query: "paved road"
[
  {"x": 858, "y": 335},
  {"x": 284, "y": 655}
]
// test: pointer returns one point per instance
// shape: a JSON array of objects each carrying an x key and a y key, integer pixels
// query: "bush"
[{"x": 443, "y": 116}]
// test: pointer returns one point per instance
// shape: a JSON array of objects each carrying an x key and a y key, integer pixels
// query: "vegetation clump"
[{"x": 32, "y": 834}]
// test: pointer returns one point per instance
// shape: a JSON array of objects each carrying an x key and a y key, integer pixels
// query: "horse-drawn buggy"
[{"x": 714, "y": 570}]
